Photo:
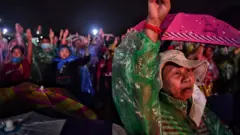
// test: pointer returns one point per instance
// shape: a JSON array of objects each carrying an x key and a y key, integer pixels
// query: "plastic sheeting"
[
  {"x": 85, "y": 77},
  {"x": 135, "y": 87},
  {"x": 34, "y": 124},
  {"x": 86, "y": 82},
  {"x": 38, "y": 98}
]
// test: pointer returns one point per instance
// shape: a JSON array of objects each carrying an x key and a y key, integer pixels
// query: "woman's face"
[
  {"x": 17, "y": 53},
  {"x": 178, "y": 81},
  {"x": 64, "y": 53}
]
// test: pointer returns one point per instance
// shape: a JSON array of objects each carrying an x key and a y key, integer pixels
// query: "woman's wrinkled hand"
[{"x": 157, "y": 11}]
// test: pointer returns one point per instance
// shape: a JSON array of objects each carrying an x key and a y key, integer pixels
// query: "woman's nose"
[{"x": 187, "y": 78}]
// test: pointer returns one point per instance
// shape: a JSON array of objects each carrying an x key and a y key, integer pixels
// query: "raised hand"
[
  {"x": 115, "y": 41},
  {"x": 55, "y": 40},
  {"x": 157, "y": 11},
  {"x": 101, "y": 33},
  {"x": 51, "y": 34},
  {"x": 39, "y": 29},
  {"x": 64, "y": 38},
  {"x": 89, "y": 37},
  {"x": 29, "y": 35},
  {"x": 30, "y": 45},
  {"x": 65, "y": 34},
  {"x": 61, "y": 34},
  {"x": 77, "y": 35},
  {"x": 18, "y": 28}
]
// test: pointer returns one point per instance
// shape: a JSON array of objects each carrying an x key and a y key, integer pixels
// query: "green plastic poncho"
[
  {"x": 135, "y": 88},
  {"x": 40, "y": 61},
  {"x": 136, "y": 93}
]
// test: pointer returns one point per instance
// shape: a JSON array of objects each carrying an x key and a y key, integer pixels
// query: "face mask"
[
  {"x": 45, "y": 46},
  {"x": 16, "y": 60}
]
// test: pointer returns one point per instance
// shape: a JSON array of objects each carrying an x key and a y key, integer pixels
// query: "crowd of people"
[
  {"x": 85, "y": 67},
  {"x": 80, "y": 64}
]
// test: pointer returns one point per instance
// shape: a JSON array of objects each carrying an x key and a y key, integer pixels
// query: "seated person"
[
  {"x": 63, "y": 71},
  {"x": 155, "y": 95},
  {"x": 17, "y": 70},
  {"x": 42, "y": 55}
]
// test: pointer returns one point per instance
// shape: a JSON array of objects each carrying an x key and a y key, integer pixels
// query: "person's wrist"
[{"x": 154, "y": 22}]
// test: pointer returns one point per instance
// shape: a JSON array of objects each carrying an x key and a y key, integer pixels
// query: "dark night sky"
[{"x": 113, "y": 15}]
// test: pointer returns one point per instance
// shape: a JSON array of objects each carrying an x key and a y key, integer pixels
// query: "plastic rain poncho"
[
  {"x": 39, "y": 62},
  {"x": 86, "y": 82},
  {"x": 136, "y": 93}
]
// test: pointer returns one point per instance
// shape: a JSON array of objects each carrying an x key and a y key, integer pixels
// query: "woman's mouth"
[{"x": 189, "y": 89}]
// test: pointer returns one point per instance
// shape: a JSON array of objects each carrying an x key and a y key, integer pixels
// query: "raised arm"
[
  {"x": 64, "y": 38},
  {"x": 30, "y": 46},
  {"x": 84, "y": 60},
  {"x": 135, "y": 70},
  {"x": 18, "y": 35},
  {"x": 51, "y": 36}
]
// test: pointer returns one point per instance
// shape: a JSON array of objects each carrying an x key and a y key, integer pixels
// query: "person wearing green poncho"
[
  {"x": 42, "y": 56},
  {"x": 139, "y": 74}
]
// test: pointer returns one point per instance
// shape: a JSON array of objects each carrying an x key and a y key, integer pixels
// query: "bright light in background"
[
  {"x": 9, "y": 38},
  {"x": 38, "y": 32},
  {"x": 95, "y": 31},
  {"x": 41, "y": 37},
  {"x": 5, "y": 30}
]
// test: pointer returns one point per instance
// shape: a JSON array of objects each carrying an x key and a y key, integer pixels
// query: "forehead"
[
  {"x": 16, "y": 49},
  {"x": 64, "y": 49}
]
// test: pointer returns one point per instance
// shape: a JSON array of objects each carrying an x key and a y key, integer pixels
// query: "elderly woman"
[{"x": 155, "y": 95}]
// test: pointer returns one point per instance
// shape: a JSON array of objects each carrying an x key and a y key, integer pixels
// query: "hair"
[
  {"x": 45, "y": 37},
  {"x": 65, "y": 46},
  {"x": 18, "y": 47}
]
